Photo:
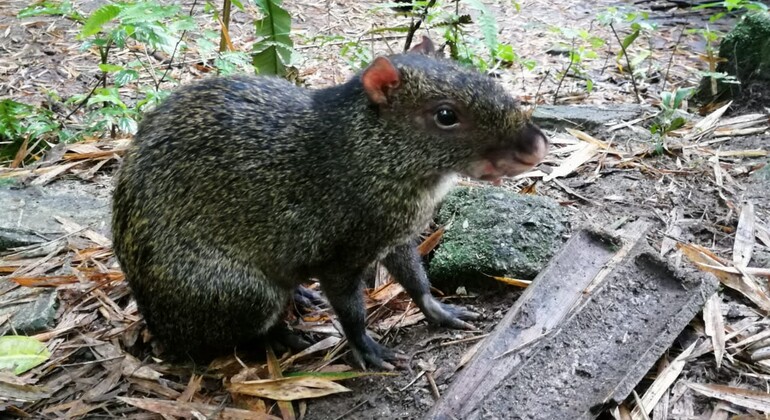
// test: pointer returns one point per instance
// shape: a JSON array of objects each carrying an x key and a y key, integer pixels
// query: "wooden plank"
[
  {"x": 542, "y": 306},
  {"x": 552, "y": 359}
]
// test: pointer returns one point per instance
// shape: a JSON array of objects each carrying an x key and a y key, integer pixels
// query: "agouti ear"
[
  {"x": 379, "y": 79},
  {"x": 425, "y": 47}
]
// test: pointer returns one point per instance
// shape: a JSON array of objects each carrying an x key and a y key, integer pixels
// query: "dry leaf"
[
  {"x": 570, "y": 164},
  {"x": 431, "y": 242},
  {"x": 189, "y": 409},
  {"x": 513, "y": 282},
  {"x": 706, "y": 261},
  {"x": 288, "y": 389},
  {"x": 715, "y": 326},
  {"x": 754, "y": 400},
  {"x": 662, "y": 383},
  {"x": 743, "y": 247}
]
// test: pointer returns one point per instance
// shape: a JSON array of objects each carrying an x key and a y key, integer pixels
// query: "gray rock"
[
  {"x": 27, "y": 214},
  {"x": 762, "y": 174},
  {"x": 31, "y": 309},
  {"x": 585, "y": 116},
  {"x": 495, "y": 232}
]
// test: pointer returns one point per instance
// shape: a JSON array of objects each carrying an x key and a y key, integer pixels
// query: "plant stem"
[
  {"x": 628, "y": 62},
  {"x": 671, "y": 59},
  {"x": 564, "y": 75},
  {"x": 225, "y": 26},
  {"x": 171, "y": 59}
]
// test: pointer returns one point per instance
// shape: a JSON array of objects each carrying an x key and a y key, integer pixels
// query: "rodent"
[{"x": 237, "y": 189}]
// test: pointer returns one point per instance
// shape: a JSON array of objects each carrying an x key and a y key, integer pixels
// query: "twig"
[
  {"x": 628, "y": 62},
  {"x": 671, "y": 59},
  {"x": 539, "y": 85},
  {"x": 564, "y": 76},
  {"x": 173, "y": 53},
  {"x": 355, "y": 407},
  {"x": 414, "y": 26},
  {"x": 101, "y": 80}
]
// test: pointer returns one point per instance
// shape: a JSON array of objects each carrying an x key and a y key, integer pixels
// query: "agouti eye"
[{"x": 445, "y": 117}]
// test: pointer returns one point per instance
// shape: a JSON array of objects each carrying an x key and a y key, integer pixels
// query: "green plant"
[
  {"x": 637, "y": 24},
  {"x": 581, "y": 48},
  {"x": 274, "y": 50},
  {"x": 51, "y": 8},
  {"x": 455, "y": 24},
  {"x": 669, "y": 118},
  {"x": 148, "y": 23},
  {"x": 23, "y": 126},
  {"x": 731, "y": 5}
]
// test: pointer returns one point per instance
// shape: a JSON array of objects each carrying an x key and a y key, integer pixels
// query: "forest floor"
[{"x": 704, "y": 188}]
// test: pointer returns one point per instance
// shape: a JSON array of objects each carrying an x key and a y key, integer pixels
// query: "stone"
[
  {"x": 585, "y": 117},
  {"x": 31, "y": 309},
  {"x": 27, "y": 214},
  {"x": 492, "y": 231}
]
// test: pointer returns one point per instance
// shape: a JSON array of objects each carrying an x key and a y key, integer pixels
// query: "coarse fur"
[{"x": 237, "y": 189}]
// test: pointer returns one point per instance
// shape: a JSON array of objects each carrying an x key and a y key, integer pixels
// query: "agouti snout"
[{"x": 238, "y": 189}]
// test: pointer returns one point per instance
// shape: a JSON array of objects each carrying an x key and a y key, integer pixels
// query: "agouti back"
[{"x": 238, "y": 189}]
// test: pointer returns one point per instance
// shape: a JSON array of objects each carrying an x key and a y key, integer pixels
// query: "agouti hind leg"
[{"x": 404, "y": 264}]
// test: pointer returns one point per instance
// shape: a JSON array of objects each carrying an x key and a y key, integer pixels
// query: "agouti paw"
[
  {"x": 370, "y": 353},
  {"x": 445, "y": 315}
]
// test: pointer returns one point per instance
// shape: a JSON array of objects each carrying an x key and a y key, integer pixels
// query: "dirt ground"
[{"x": 677, "y": 190}]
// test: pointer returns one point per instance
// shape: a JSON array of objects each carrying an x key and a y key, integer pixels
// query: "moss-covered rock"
[
  {"x": 746, "y": 54},
  {"x": 495, "y": 232}
]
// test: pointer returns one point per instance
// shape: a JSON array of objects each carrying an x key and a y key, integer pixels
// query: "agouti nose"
[{"x": 532, "y": 145}]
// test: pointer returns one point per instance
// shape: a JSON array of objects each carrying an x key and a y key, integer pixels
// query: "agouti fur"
[{"x": 235, "y": 190}]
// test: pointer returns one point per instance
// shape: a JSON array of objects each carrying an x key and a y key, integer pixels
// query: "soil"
[{"x": 676, "y": 189}]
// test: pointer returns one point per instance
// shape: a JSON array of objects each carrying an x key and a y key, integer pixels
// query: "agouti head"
[{"x": 461, "y": 120}]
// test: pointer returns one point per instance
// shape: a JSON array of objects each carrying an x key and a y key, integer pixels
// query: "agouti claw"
[
  {"x": 446, "y": 315},
  {"x": 373, "y": 354}
]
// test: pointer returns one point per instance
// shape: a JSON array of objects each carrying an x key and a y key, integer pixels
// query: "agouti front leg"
[
  {"x": 347, "y": 300},
  {"x": 404, "y": 264}
]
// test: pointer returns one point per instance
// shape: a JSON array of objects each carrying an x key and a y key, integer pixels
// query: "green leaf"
[
  {"x": 110, "y": 68},
  {"x": 106, "y": 95},
  {"x": 20, "y": 353},
  {"x": 98, "y": 19},
  {"x": 487, "y": 23},
  {"x": 125, "y": 77},
  {"x": 274, "y": 50},
  {"x": 678, "y": 122},
  {"x": 337, "y": 376},
  {"x": 50, "y": 8},
  {"x": 630, "y": 38}
]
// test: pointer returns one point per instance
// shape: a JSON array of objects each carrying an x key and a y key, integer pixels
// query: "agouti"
[{"x": 235, "y": 190}]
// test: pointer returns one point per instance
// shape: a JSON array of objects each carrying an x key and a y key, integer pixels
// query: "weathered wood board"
[{"x": 582, "y": 335}]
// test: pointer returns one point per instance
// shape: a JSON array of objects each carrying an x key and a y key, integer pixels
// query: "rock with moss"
[
  {"x": 746, "y": 56},
  {"x": 495, "y": 232}
]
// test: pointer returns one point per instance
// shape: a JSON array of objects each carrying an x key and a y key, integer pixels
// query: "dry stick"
[
  {"x": 173, "y": 53},
  {"x": 671, "y": 59},
  {"x": 628, "y": 61},
  {"x": 564, "y": 76},
  {"x": 414, "y": 26}
]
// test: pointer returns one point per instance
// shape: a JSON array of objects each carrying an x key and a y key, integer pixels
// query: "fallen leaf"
[
  {"x": 20, "y": 353},
  {"x": 743, "y": 248},
  {"x": 194, "y": 410},
  {"x": 715, "y": 326},
  {"x": 288, "y": 389},
  {"x": 754, "y": 400}
]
